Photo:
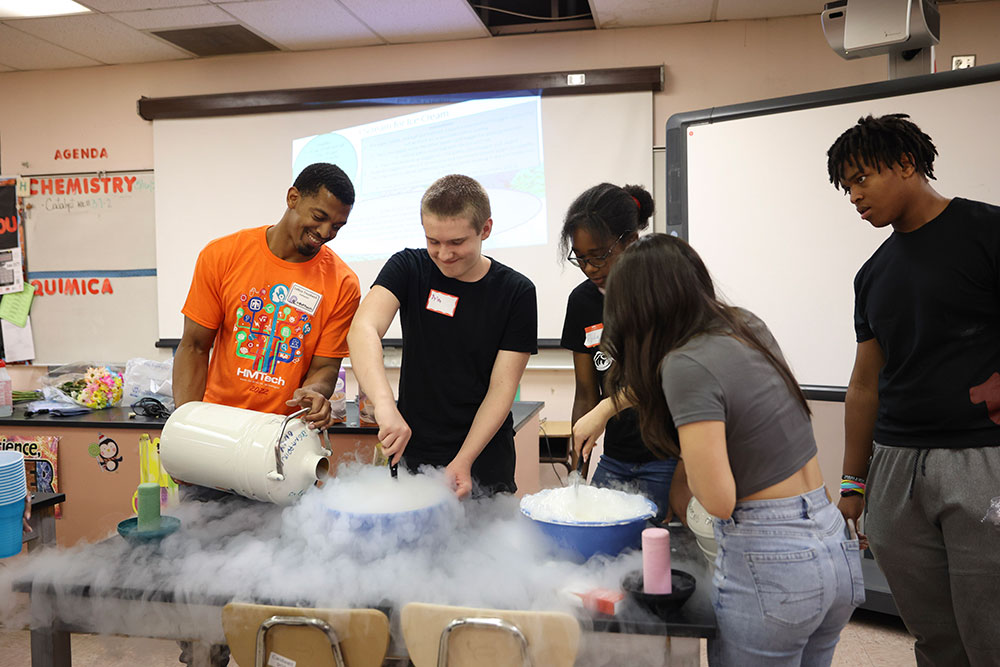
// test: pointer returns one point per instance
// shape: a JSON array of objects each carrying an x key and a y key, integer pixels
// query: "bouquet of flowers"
[{"x": 100, "y": 387}]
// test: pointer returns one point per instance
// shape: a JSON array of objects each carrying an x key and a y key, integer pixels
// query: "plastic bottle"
[{"x": 6, "y": 391}]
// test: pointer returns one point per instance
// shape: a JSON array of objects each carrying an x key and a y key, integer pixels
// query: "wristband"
[
  {"x": 851, "y": 492},
  {"x": 848, "y": 486},
  {"x": 859, "y": 480}
]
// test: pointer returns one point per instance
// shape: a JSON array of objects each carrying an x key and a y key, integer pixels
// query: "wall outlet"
[{"x": 963, "y": 62}]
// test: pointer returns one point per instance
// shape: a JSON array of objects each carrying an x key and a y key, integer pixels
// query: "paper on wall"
[
  {"x": 14, "y": 307},
  {"x": 11, "y": 274},
  {"x": 18, "y": 343}
]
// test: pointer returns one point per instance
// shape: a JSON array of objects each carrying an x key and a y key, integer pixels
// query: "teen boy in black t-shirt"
[
  {"x": 926, "y": 389},
  {"x": 469, "y": 325}
]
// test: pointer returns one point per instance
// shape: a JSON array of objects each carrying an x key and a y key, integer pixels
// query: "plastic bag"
[
  {"x": 92, "y": 385},
  {"x": 54, "y": 408},
  {"x": 145, "y": 378}
]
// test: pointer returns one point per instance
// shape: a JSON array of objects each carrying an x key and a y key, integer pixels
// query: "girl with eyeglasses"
[
  {"x": 711, "y": 385},
  {"x": 599, "y": 225}
]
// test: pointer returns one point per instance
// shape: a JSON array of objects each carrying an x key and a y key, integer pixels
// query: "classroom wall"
[{"x": 706, "y": 64}]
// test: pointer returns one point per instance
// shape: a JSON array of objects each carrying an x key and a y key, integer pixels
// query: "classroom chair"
[
  {"x": 444, "y": 636},
  {"x": 314, "y": 637}
]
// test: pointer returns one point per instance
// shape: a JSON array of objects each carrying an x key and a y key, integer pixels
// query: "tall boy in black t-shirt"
[
  {"x": 469, "y": 325},
  {"x": 926, "y": 389}
]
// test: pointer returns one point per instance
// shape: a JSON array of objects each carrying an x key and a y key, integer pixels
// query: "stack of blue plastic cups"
[{"x": 13, "y": 491}]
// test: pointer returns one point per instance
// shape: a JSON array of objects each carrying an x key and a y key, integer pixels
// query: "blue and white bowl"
[{"x": 579, "y": 540}]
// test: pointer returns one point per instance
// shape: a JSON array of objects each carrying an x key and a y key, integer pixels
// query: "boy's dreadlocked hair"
[{"x": 881, "y": 142}]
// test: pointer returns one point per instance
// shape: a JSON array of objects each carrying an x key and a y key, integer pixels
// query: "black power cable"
[{"x": 150, "y": 407}]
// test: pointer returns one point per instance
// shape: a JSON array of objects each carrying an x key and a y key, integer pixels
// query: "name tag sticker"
[
  {"x": 303, "y": 298},
  {"x": 592, "y": 335},
  {"x": 442, "y": 302}
]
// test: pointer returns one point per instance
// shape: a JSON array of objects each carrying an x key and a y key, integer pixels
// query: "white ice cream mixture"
[
  {"x": 371, "y": 490},
  {"x": 576, "y": 503}
]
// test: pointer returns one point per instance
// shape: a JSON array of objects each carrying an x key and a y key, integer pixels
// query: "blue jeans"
[
  {"x": 787, "y": 579},
  {"x": 651, "y": 479}
]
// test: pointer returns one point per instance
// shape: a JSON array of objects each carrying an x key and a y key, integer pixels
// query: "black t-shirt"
[
  {"x": 448, "y": 358},
  {"x": 582, "y": 333},
  {"x": 931, "y": 298}
]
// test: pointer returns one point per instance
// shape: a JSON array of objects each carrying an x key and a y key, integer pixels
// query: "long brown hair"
[{"x": 659, "y": 296}]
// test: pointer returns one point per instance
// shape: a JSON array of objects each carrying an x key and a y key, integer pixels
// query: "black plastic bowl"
[{"x": 682, "y": 586}]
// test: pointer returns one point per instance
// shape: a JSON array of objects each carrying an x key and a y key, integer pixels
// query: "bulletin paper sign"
[
  {"x": 8, "y": 214},
  {"x": 41, "y": 455}
]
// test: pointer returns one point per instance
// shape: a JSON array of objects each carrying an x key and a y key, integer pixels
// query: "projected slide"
[{"x": 392, "y": 162}]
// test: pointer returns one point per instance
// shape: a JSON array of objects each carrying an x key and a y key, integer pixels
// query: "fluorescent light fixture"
[{"x": 22, "y": 9}]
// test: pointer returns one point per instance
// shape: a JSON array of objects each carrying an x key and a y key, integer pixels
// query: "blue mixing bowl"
[
  {"x": 579, "y": 540},
  {"x": 375, "y": 534}
]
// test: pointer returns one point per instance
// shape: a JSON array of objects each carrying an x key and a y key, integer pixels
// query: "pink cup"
[{"x": 656, "y": 561}]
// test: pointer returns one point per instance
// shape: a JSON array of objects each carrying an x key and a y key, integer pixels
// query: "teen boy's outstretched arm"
[
  {"x": 506, "y": 375},
  {"x": 365, "y": 341}
]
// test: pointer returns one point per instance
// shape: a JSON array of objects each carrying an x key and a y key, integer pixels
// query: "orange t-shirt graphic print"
[
  {"x": 269, "y": 332},
  {"x": 265, "y": 340}
]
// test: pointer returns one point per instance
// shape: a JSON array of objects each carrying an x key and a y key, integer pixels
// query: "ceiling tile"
[
  {"x": 400, "y": 21},
  {"x": 731, "y": 10},
  {"x": 101, "y": 38},
  {"x": 20, "y": 50},
  {"x": 303, "y": 24},
  {"x": 128, "y": 5},
  {"x": 182, "y": 17},
  {"x": 629, "y": 13}
]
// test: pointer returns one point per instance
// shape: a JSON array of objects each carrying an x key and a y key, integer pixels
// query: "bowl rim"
[
  {"x": 650, "y": 512},
  {"x": 334, "y": 510}
]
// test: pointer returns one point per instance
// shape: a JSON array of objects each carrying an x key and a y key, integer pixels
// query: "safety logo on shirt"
[
  {"x": 602, "y": 362},
  {"x": 269, "y": 332}
]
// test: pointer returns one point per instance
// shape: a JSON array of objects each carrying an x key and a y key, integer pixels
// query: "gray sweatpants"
[{"x": 924, "y": 522}]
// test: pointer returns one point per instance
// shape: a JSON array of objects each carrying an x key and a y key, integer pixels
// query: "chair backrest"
[
  {"x": 363, "y": 635},
  {"x": 553, "y": 638}
]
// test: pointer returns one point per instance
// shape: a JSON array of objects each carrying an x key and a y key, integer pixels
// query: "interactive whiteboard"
[{"x": 747, "y": 185}]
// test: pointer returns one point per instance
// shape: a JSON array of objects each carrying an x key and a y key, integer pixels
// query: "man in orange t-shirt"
[{"x": 275, "y": 303}]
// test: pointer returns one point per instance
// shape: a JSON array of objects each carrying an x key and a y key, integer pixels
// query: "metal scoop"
[{"x": 578, "y": 476}]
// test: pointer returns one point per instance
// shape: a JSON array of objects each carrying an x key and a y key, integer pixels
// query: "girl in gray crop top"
[{"x": 710, "y": 384}]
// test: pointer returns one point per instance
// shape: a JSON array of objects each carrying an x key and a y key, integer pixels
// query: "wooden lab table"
[{"x": 60, "y": 609}]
